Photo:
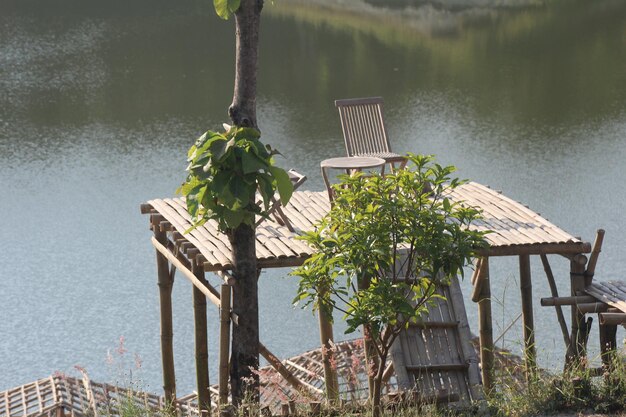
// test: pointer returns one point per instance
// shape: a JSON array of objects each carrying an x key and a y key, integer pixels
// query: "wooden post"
[
  {"x": 165, "y": 282},
  {"x": 528, "y": 331},
  {"x": 576, "y": 348},
  {"x": 201, "y": 336},
  {"x": 330, "y": 374},
  {"x": 224, "y": 344},
  {"x": 485, "y": 327}
]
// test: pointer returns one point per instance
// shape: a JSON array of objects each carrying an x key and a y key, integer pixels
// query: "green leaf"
[
  {"x": 225, "y": 8},
  {"x": 233, "y": 218},
  {"x": 283, "y": 183},
  {"x": 252, "y": 163}
]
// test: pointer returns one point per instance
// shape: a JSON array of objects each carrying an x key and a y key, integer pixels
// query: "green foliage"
[
  {"x": 574, "y": 391},
  {"x": 226, "y": 8},
  {"x": 225, "y": 172},
  {"x": 385, "y": 244}
]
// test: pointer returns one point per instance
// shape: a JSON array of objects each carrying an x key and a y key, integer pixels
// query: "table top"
[
  {"x": 514, "y": 229},
  {"x": 352, "y": 162}
]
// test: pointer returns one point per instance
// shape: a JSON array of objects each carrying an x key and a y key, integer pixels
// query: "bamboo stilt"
[
  {"x": 165, "y": 298},
  {"x": 224, "y": 343},
  {"x": 576, "y": 348},
  {"x": 201, "y": 346},
  {"x": 486, "y": 327},
  {"x": 478, "y": 279},
  {"x": 528, "y": 328}
]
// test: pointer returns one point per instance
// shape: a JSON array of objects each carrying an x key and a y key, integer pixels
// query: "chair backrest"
[{"x": 363, "y": 125}]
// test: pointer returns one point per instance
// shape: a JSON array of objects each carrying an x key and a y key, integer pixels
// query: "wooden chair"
[
  {"x": 364, "y": 131},
  {"x": 275, "y": 209}
]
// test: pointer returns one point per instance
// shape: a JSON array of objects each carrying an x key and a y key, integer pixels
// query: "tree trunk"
[
  {"x": 242, "y": 112},
  {"x": 245, "y": 343},
  {"x": 378, "y": 385}
]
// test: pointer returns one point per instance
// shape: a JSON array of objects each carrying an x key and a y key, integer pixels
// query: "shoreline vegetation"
[{"x": 570, "y": 394}]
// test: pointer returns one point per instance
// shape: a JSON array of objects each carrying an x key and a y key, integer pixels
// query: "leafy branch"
[{"x": 225, "y": 172}]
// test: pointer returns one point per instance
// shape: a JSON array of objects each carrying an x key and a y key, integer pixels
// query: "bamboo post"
[
  {"x": 528, "y": 329},
  {"x": 576, "y": 348},
  {"x": 330, "y": 374},
  {"x": 201, "y": 347},
  {"x": 224, "y": 343},
  {"x": 593, "y": 258},
  {"x": 165, "y": 283},
  {"x": 485, "y": 327}
]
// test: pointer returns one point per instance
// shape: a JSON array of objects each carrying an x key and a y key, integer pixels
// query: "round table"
[{"x": 349, "y": 164}]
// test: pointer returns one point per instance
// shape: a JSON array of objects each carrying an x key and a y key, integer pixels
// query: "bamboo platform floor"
[
  {"x": 612, "y": 293},
  {"x": 62, "y": 396}
]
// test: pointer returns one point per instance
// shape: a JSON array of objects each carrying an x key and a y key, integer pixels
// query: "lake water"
[{"x": 101, "y": 99}]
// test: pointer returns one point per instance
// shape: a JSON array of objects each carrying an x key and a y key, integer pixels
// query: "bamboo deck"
[
  {"x": 612, "y": 293},
  {"x": 514, "y": 229}
]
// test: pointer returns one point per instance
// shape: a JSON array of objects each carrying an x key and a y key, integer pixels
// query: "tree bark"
[
  {"x": 245, "y": 343},
  {"x": 242, "y": 111}
]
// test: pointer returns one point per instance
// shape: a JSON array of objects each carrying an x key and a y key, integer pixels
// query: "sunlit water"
[{"x": 100, "y": 101}]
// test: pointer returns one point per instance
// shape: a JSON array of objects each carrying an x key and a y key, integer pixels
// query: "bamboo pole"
[
  {"x": 201, "y": 347},
  {"x": 576, "y": 348},
  {"x": 165, "y": 298},
  {"x": 555, "y": 293},
  {"x": 586, "y": 308},
  {"x": 528, "y": 328},
  {"x": 214, "y": 298},
  {"x": 593, "y": 258},
  {"x": 567, "y": 301},
  {"x": 224, "y": 344},
  {"x": 478, "y": 279},
  {"x": 486, "y": 327},
  {"x": 283, "y": 371},
  {"x": 612, "y": 319}
]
